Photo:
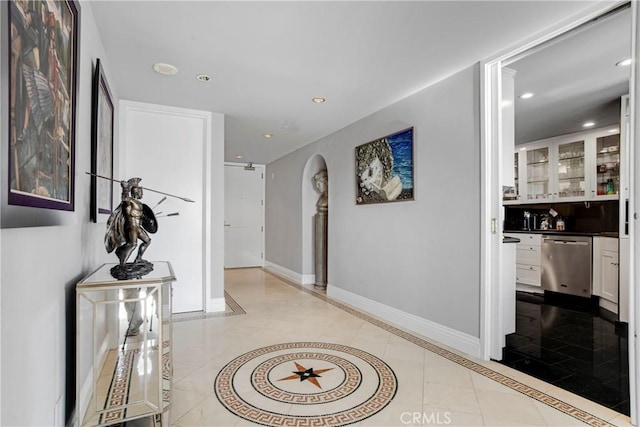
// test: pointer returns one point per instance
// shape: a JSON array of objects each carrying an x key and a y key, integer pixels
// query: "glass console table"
[{"x": 123, "y": 339}]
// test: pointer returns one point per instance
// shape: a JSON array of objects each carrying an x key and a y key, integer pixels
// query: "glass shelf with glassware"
[
  {"x": 608, "y": 165},
  {"x": 577, "y": 167}
]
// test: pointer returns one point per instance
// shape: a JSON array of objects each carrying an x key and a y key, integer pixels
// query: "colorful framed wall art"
[
  {"x": 384, "y": 169},
  {"x": 43, "y": 50}
]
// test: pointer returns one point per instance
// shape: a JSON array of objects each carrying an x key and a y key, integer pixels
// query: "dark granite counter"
[{"x": 565, "y": 233}]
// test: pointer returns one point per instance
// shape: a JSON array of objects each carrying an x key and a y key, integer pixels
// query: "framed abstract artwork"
[
  {"x": 43, "y": 50},
  {"x": 384, "y": 169},
  {"x": 102, "y": 116}
]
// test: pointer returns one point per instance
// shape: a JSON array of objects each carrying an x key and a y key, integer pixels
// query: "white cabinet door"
[
  {"x": 243, "y": 216},
  {"x": 576, "y": 167},
  {"x": 570, "y": 171},
  {"x": 609, "y": 269},
  {"x": 606, "y": 269},
  {"x": 538, "y": 183}
]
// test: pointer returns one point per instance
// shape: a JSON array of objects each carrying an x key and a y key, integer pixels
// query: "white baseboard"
[
  {"x": 308, "y": 279},
  {"x": 611, "y": 306},
  {"x": 445, "y": 335},
  {"x": 216, "y": 305},
  {"x": 283, "y": 271}
]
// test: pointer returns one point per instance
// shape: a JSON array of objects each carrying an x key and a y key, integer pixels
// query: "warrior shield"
[{"x": 149, "y": 221}]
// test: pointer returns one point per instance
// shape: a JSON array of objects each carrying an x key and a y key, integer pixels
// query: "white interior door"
[
  {"x": 243, "y": 216},
  {"x": 176, "y": 168}
]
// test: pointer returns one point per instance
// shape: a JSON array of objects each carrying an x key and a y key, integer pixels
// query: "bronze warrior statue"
[{"x": 131, "y": 221}]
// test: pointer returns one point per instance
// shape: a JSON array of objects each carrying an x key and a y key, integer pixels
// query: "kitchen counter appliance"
[{"x": 567, "y": 264}]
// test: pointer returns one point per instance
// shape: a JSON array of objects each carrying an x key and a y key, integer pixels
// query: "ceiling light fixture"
[
  {"x": 238, "y": 156},
  {"x": 624, "y": 62},
  {"x": 526, "y": 95},
  {"x": 268, "y": 135},
  {"x": 613, "y": 130},
  {"x": 318, "y": 100},
  {"x": 165, "y": 69},
  {"x": 588, "y": 124},
  {"x": 203, "y": 78}
]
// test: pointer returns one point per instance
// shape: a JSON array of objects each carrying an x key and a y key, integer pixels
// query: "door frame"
[
  {"x": 491, "y": 210},
  {"x": 263, "y": 169}
]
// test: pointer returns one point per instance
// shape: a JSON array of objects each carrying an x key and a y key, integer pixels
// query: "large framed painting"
[
  {"x": 384, "y": 169},
  {"x": 101, "y": 146},
  {"x": 43, "y": 49}
]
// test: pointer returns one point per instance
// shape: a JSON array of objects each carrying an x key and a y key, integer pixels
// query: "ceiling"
[
  {"x": 574, "y": 79},
  {"x": 269, "y": 59}
]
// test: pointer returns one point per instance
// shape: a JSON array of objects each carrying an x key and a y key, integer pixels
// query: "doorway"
[
  {"x": 244, "y": 215},
  {"x": 496, "y": 155}
]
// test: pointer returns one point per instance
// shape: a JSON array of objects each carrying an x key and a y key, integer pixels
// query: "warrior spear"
[{"x": 145, "y": 188}]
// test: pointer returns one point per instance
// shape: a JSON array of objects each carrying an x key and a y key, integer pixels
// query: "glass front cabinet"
[
  {"x": 575, "y": 167},
  {"x": 123, "y": 347}
]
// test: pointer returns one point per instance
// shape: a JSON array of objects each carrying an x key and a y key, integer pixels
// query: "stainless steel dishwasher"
[{"x": 566, "y": 264}]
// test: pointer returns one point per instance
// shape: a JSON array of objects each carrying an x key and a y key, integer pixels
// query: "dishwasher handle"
[{"x": 566, "y": 242}]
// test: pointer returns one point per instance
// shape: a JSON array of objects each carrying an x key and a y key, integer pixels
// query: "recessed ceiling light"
[
  {"x": 203, "y": 78},
  {"x": 165, "y": 69},
  {"x": 526, "y": 95},
  {"x": 238, "y": 156},
  {"x": 588, "y": 124},
  {"x": 318, "y": 100},
  {"x": 624, "y": 62},
  {"x": 268, "y": 135}
]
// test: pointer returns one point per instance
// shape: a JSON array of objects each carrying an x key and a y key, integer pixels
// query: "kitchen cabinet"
[
  {"x": 538, "y": 177},
  {"x": 607, "y": 165},
  {"x": 528, "y": 260},
  {"x": 606, "y": 277},
  {"x": 569, "y": 168}
]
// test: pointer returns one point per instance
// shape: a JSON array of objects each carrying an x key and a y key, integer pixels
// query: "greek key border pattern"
[
  {"x": 118, "y": 394},
  {"x": 234, "y": 310},
  {"x": 384, "y": 394},
  {"x": 531, "y": 392}
]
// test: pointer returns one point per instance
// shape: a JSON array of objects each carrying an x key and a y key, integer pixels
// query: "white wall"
[
  {"x": 418, "y": 257},
  {"x": 40, "y": 266}
]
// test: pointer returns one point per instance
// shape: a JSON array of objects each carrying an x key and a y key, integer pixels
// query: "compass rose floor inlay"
[{"x": 306, "y": 383}]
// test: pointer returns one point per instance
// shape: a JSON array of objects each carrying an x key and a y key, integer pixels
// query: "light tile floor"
[{"x": 437, "y": 385}]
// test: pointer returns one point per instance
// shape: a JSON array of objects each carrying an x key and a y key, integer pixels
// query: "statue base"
[{"x": 131, "y": 270}]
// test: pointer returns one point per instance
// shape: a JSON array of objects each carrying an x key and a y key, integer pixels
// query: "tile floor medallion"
[
  {"x": 531, "y": 392},
  {"x": 306, "y": 383}
]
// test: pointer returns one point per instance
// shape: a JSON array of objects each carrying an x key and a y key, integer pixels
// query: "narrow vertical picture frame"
[
  {"x": 102, "y": 120},
  {"x": 43, "y": 63},
  {"x": 384, "y": 169}
]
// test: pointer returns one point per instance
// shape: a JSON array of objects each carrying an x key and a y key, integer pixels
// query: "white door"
[
  {"x": 243, "y": 216},
  {"x": 179, "y": 239}
]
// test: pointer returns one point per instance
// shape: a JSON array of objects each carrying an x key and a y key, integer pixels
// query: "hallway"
[{"x": 345, "y": 364}]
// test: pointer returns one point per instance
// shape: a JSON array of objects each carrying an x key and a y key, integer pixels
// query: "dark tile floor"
[{"x": 571, "y": 343}]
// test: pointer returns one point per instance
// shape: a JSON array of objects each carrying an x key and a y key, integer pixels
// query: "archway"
[{"x": 310, "y": 196}]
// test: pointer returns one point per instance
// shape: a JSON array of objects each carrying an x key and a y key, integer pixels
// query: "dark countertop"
[
  {"x": 507, "y": 239},
  {"x": 566, "y": 233}
]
